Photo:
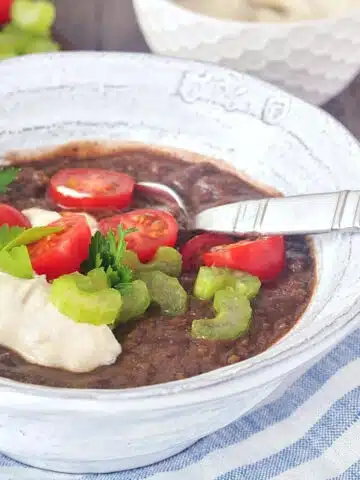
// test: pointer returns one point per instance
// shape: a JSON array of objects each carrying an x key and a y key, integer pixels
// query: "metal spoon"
[
  {"x": 295, "y": 215},
  {"x": 163, "y": 193}
]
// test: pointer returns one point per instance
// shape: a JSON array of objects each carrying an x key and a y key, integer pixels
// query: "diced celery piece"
[
  {"x": 165, "y": 291},
  {"x": 167, "y": 260},
  {"x": 212, "y": 279},
  {"x": 246, "y": 284},
  {"x": 131, "y": 260},
  {"x": 232, "y": 320},
  {"x": 78, "y": 297},
  {"x": 209, "y": 280},
  {"x": 99, "y": 280},
  {"x": 136, "y": 300}
]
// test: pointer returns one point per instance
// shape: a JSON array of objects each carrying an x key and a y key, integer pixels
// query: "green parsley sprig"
[
  {"x": 14, "y": 255},
  {"x": 7, "y": 176},
  {"x": 107, "y": 251}
]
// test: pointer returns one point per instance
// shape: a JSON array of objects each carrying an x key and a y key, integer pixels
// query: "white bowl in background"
[
  {"x": 314, "y": 60},
  {"x": 276, "y": 139}
]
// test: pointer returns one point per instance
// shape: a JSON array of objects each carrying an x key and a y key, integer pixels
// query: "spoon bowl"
[{"x": 331, "y": 211}]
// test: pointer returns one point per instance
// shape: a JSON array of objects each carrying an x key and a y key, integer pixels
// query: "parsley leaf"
[
  {"x": 11, "y": 237},
  {"x": 107, "y": 252},
  {"x": 16, "y": 262},
  {"x": 7, "y": 234},
  {"x": 7, "y": 176},
  {"x": 32, "y": 235}
]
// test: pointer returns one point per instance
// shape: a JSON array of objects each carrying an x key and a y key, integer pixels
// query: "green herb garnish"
[
  {"x": 31, "y": 235},
  {"x": 7, "y": 176},
  {"x": 16, "y": 262},
  {"x": 107, "y": 252},
  {"x": 14, "y": 255},
  {"x": 8, "y": 234}
]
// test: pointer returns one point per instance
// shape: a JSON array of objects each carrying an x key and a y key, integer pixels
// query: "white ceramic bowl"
[
  {"x": 314, "y": 60},
  {"x": 275, "y": 139}
]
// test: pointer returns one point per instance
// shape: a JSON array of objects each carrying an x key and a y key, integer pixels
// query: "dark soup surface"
[{"x": 157, "y": 348}]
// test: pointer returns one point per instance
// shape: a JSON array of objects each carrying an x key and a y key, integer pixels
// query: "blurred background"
[
  {"x": 99, "y": 25},
  {"x": 309, "y": 47}
]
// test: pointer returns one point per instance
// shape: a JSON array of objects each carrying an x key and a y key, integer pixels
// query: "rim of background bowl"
[
  {"x": 218, "y": 383},
  {"x": 229, "y": 21}
]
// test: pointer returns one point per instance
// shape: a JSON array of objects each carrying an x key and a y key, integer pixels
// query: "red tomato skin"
[
  {"x": 5, "y": 11},
  {"x": 263, "y": 257},
  {"x": 121, "y": 182},
  {"x": 193, "y": 250},
  {"x": 146, "y": 241},
  {"x": 67, "y": 250},
  {"x": 12, "y": 217}
]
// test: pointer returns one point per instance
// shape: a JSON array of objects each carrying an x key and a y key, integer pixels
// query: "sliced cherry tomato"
[
  {"x": 12, "y": 217},
  {"x": 91, "y": 188},
  {"x": 155, "y": 228},
  {"x": 193, "y": 250},
  {"x": 62, "y": 252},
  {"x": 5, "y": 8},
  {"x": 263, "y": 257}
]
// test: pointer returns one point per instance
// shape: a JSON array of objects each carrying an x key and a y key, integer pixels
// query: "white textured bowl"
[
  {"x": 314, "y": 60},
  {"x": 275, "y": 139}
]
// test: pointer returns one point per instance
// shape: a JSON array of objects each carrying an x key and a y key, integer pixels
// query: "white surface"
[
  {"x": 273, "y": 138},
  {"x": 33, "y": 327},
  {"x": 314, "y": 60}
]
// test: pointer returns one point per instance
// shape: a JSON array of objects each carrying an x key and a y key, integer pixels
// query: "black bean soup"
[{"x": 159, "y": 349}]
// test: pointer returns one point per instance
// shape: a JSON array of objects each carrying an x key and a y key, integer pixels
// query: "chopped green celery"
[
  {"x": 212, "y": 279},
  {"x": 33, "y": 17},
  {"x": 131, "y": 260},
  {"x": 78, "y": 297},
  {"x": 232, "y": 320},
  {"x": 247, "y": 284},
  {"x": 99, "y": 280},
  {"x": 136, "y": 300},
  {"x": 165, "y": 291},
  {"x": 16, "y": 262},
  {"x": 167, "y": 260}
]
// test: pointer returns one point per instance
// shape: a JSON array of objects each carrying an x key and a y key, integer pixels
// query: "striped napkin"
[{"x": 311, "y": 433}]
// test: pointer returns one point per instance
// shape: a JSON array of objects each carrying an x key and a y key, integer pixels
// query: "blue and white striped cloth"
[{"x": 311, "y": 433}]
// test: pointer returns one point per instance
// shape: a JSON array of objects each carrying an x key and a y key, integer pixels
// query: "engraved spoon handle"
[{"x": 301, "y": 214}]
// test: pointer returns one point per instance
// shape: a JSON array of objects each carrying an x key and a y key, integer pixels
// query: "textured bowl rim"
[
  {"x": 220, "y": 382},
  {"x": 228, "y": 21}
]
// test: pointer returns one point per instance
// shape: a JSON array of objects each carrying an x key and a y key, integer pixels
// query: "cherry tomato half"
[
  {"x": 63, "y": 252},
  {"x": 12, "y": 217},
  {"x": 193, "y": 250},
  {"x": 5, "y": 9},
  {"x": 263, "y": 257},
  {"x": 91, "y": 188},
  {"x": 155, "y": 228}
]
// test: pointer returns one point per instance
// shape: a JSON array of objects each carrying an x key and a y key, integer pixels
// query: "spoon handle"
[{"x": 301, "y": 214}]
